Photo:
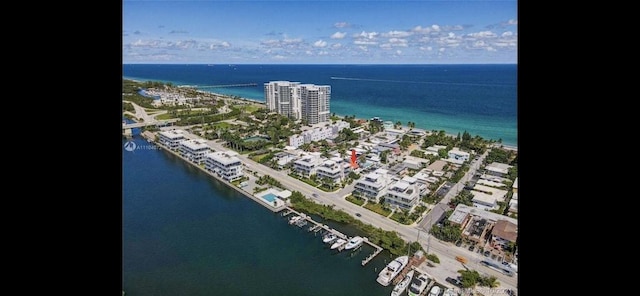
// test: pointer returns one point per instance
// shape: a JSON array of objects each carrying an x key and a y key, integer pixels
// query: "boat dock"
[
  {"x": 318, "y": 226},
  {"x": 414, "y": 261}
]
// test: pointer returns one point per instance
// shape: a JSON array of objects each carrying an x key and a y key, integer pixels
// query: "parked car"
[
  {"x": 454, "y": 282},
  {"x": 471, "y": 247},
  {"x": 358, "y": 214}
]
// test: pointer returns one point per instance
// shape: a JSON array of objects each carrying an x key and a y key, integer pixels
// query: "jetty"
[
  {"x": 415, "y": 261},
  {"x": 230, "y": 85}
]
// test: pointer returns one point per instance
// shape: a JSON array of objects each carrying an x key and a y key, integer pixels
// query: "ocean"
[
  {"x": 185, "y": 233},
  {"x": 479, "y": 99}
]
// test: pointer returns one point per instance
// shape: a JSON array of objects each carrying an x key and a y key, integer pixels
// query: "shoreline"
[{"x": 243, "y": 99}]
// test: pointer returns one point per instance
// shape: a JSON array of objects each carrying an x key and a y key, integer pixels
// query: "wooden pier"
[
  {"x": 414, "y": 262},
  {"x": 318, "y": 226},
  {"x": 366, "y": 260},
  {"x": 230, "y": 85}
]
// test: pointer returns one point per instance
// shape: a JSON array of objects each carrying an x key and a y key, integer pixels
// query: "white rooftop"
[
  {"x": 173, "y": 134},
  {"x": 195, "y": 144}
]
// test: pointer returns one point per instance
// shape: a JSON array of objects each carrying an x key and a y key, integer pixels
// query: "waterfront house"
[
  {"x": 194, "y": 150},
  {"x": 225, "y": 164},
  {"x": 171, "y": 139},
  {"x": 457, "y": 156},
  {"x": 373, "y": 186},
  {"x": 403, "y": 194}
]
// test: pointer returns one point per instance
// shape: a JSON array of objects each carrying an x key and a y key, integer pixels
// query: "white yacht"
[
  {"x": 392, "y": 269},
  {"x": 338, "y": 243},
  {"x": 329, "y": 238},
  {"x": 354, "y": 243},
  {"x": 294, "y": 219},
  {"x": 403, "y": 284},
  {"x": 418, "y": 285}
]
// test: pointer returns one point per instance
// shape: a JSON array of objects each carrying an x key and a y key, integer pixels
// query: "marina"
[{"x": 338, "y": 240}]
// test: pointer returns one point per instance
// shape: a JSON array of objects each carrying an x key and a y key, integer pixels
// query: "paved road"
[{"x": 446, "y": 252}]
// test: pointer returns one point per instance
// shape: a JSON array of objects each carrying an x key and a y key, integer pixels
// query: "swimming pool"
[{"x": 270, "y": 197}]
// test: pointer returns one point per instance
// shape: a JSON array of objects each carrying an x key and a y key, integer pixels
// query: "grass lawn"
[
  {"x": 251, "y": 108},
  {"x": 377, "y": 208},
  {"x": 355, "y": 200},
  {"x": 164, "y": 116},
  {"x": 223, "y": 125}
]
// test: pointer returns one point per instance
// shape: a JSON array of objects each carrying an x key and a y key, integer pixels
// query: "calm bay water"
[
  {"x": 185, "y": 233},
  {"x": 481, "y": 99}
]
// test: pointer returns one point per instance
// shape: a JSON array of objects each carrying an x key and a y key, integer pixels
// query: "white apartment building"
[
  {"x": 306, "y": 166},
  {"x": 296, "y": 141},
  {"x": 283, "y": 97},
  {"x": 317, "y": 134},
  {"x": 299, "y": 101},
  {"x": 225, "y": 164},
  {"x": 458, "y": 156},
  {"x": 315, "y": 101},
  {"x": 171, "y": 139},
  {"x": 498, "y": 169},
  {"x": 194, "y": 150},
  {"x": 487, "y": 198},
  {"x": 403, "y": 194},
  {"x": 335, "y": 169},
  {"x": 373, "y": 186}
]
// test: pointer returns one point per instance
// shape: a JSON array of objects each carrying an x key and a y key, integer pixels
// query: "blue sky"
[{"x": 319, "y": 32}]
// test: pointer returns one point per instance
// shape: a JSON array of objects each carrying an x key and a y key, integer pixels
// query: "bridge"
[{"x": 126, "y": 128}]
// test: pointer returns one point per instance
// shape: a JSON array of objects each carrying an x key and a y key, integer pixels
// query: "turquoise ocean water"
[{"x": 481, "y": 99}]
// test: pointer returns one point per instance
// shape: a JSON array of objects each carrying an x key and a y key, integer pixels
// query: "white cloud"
[
  {"x": 219, "y": 44},
  {"x": 363, "y": 48},
  {"x": 397, "y": 34},
  {"x": 308, "y": 52},
  {"x": 482, "y": 34},
  {"x": 398, "y": 52},
  {"x": 435, "y": 27},
  {"x": 323, "y": 52},
  {"x": 320, "y": 43},
  {"x": 507, "y": 34},
  {"x": 363, "y": 42},
  {"x": 338, "y": 35},
  {"x": 370, "y": 35},
  {"x": 442, "y": 49},
  {"x": 491, "y": 48},
  {"x": 336, "y": 45},
  {"x": 512, "y": 22},
  {"x": 398, "y": 42},
  {"x": 385, "y": 46},
  {"x": 341, "y": 24}
]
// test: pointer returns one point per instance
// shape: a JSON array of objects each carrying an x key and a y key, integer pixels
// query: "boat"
[
  {"x": 294, "y": 219},
  {"x": 338, "y": 243},
  {"x": 329, "y": 238},
  {"x": 354, "y": 243},
  {"x": 392, "y": 269},
  {"x": 435, "y": 291},
  {"x": 450, "y": 292},
  {"x": 403, "y": 284},
  {"x": 418, "y": 285}
]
